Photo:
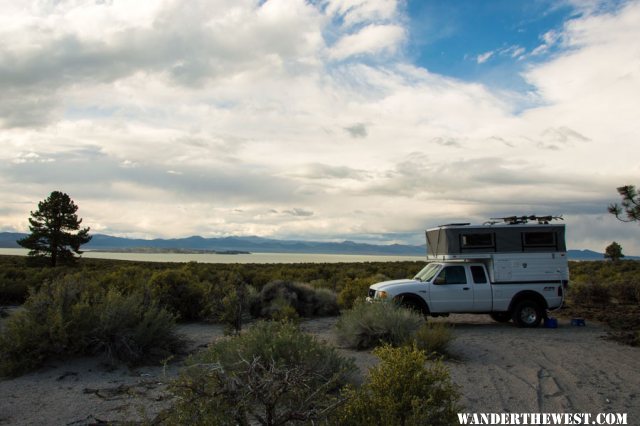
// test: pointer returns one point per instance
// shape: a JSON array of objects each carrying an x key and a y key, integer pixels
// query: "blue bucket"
[
  {"x": 551, "y": 322},
  {"x": 579, "y": 322}
]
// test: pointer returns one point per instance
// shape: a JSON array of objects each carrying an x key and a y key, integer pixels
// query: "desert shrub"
[
  {"x": 372, "y": 324},
  {"x": 357, "y": 289},
  {"x": 272, "y": 374},
  {"x": 13, "y": 285},
  {"x": 133, "y": 331},
  {"x": 589, "y": 293},
  {"x": 433, "y": 338},
  {"x": 280, "y": 309},
  {"x": 127, "y": 279},
  {"x": 326, "y": 304},
  {"x": 626, "y": 291},
  {"x": 228, "y": 301},
  {"x": 284, "y": 295},
  {"x": 71, "y": 317},
  {"x": 17, "y": 278},
  {"x": 402, "y": 390},
  {"x": 180, "y": 292}
]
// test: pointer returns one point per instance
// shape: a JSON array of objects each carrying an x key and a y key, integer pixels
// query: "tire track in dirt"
[{"x": 569, "y": 369}]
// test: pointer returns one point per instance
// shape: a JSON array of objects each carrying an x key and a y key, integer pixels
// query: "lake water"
[{"x": 234, "y": 258}]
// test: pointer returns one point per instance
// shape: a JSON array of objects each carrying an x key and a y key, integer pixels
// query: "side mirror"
[{"x": 440, "y": 280}]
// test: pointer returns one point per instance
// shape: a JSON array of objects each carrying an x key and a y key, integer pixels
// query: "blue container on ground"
[
  {"x": 578, "y": 322},
  {"x": 550, "y": 322}
]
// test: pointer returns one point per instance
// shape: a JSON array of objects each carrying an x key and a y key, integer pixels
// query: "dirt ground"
[
  {"x": 498, "y": 367},
  {"x": 568, "y": 369}
]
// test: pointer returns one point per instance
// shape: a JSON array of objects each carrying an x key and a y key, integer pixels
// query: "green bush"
[
  {"x": 589, "y": 293},
  {"x": 16, "y": 278},
  {"x": 229, "y": 301},
  {"x": 284, "y": 295},
  {"x": 433, "y": 338},
  {"x": 179, "y": 292},
  {"x": 131, "y": 330},
  {"x": 357, "y": 289},
  {"x": 69, "y": 317},
  {"x": 127, "y": 279},
  {"x": 402, "y": 390},
  {"x": 599, "y": 283},
  {"x": 372, "y": 324},
  {"x": 13, "y": 285},
  {"x": 132, "y": 276},
  {"x": 272, "y": 374},
  {"x": 627, "y": 291}
]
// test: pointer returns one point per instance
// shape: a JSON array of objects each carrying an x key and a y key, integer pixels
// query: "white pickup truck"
[{"x": 511, "y": 271}]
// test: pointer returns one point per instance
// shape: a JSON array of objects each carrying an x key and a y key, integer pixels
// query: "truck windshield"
[{"x": 428, "y": 272}]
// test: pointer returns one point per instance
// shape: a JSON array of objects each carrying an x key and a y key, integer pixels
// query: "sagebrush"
[
  {"x": 70, "y": 317},
  {"x": 272, "y": 374},
  {"x": 371, "y": 324},
  {"x": 404, "y": 389},
  {"x": 299, "y": 299},
  {"x": 434, "y": 338}
]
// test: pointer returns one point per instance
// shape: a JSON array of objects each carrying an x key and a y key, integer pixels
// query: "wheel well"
[
  {"x": 528, "y": 295},
  {"x": 412, "y": 298}
]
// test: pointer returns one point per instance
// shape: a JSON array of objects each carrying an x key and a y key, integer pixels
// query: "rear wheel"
[
  {"x": 527, "y": 313},
  {"x": 501, "y": 316}
]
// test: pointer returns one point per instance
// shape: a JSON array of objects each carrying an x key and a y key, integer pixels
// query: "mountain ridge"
[{"x": 104, "y": 242}]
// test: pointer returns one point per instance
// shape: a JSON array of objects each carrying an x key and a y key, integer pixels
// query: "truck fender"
[
  {"x": 528, "y": 295},
  {"x": 413, "y": 301}
]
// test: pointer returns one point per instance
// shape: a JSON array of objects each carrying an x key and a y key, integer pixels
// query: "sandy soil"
[
  {"x": 569, "y": 369},
  {"x": 85, "y": 391},
  {"x": 498, "y": 367}
]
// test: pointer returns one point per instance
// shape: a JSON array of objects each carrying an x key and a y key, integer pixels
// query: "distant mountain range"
[
  {"x": 249, "y": 244},
  {"x": 260, "y": 245}
]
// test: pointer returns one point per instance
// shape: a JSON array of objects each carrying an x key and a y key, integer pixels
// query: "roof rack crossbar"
[{"x": 515, "y": 220}]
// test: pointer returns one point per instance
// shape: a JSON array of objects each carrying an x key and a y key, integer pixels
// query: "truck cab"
[
  {"x": 445, "y": 287},
  {"x": 509, "y": 272}
]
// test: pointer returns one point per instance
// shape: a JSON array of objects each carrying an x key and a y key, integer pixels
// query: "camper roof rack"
[
  {"x": 454, "y": 224},
  {"x": 516, "y": 220}
]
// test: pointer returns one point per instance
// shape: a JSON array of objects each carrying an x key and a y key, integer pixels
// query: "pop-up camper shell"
[
  {"x": 513, "y": 253},
  {"x": 461, "y": 239}
]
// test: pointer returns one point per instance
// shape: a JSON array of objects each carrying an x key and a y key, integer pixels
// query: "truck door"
[
  {"x": 451, "y": 290},
  {"x": 482, "y": 297}
]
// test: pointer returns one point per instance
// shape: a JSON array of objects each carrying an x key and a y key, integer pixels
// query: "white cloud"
[
  {"x": 549, "y": 39},
  {"x": 484, "y": 57},
  {"x": 514, "y": 51},
  {"x": 358, "y": 11},
  {"x": 372, "y": 39},
  {"x": 292, "y": 118}
]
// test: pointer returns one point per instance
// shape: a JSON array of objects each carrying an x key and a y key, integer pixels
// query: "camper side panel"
[{"x": 529, "y": 267}]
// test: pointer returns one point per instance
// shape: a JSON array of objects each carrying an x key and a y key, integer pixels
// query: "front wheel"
[
  {"x": 527, "y": 313},
  {"x": 412, "y": 304},
  {"x": 501, "y": 316}
]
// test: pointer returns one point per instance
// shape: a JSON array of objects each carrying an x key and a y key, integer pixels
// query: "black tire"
[
  {"x": 527, "y": 314},
  {"x": 501, "y": 316}
]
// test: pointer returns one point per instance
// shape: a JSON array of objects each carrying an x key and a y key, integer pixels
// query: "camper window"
[
  {"x": 539, "y": 239},
  {"x": 477, "y": 240}
]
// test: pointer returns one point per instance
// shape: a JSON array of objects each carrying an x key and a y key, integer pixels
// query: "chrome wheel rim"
[{"x": 528, "y": 315}]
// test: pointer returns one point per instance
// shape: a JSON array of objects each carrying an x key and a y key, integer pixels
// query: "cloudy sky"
[{"x": 367, "y": 120}]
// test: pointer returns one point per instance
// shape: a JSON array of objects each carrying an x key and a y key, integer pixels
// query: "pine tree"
[
  {"x": 613, "y": 252},
  {"x": 52, "y": 229},
  {"x": 630, "y": 204}
]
